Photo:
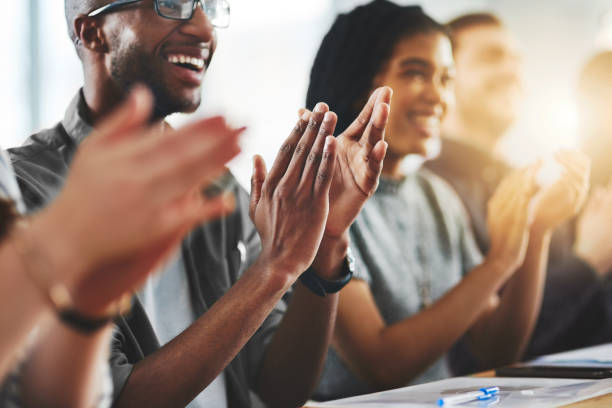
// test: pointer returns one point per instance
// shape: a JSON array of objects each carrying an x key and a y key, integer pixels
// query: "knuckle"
[
  {"x": 313, "y": 124},
  {"x": 298, "y": 128},
  {"x": 323, "y": 175},
  {"x": 362, "y": 119},
  {"x": 300, "y": 149},
  {"x": 282, "y": 192},
  {"x": 286, "y": 148},
  {"x": 314, "y": 156}
]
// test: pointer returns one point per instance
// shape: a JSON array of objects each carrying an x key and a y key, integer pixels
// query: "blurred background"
[{"x": 259, "y": 74}]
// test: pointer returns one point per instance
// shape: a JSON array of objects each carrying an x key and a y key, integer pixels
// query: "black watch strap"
[
  {"x": 321, "y": 287},
  {"x": 82, "y": 323}
]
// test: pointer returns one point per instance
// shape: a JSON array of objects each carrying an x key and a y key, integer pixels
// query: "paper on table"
[
  {"x": 597, "y": 356},
  {"x": 515, "y": 392}
]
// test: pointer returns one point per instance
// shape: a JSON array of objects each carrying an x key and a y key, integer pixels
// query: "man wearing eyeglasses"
[{"x": 188, "y": 339}]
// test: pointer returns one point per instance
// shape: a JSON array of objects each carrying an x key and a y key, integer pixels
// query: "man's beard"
[{"x": 132, "y": 67}]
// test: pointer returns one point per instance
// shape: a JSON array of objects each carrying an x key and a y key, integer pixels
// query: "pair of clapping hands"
[
  {"x": 133, "y": 192},
  {"x": 522, "y": 204}
]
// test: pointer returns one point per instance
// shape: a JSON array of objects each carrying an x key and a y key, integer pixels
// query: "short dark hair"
[
  {"x": 596, "y": 72},
  {"x": 470, "y": 20},
  {"x": 355, "y": 50}
]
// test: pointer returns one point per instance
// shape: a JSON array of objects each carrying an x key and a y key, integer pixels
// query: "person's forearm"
[
  {"x": 295, "y": 357},
  {"x": 17, "y": 293},
  {"x": 65, "y": 368},
  {"x": 402, "y": 351},
  {"x": 202, "y": 351},
  {"x": 502, "y": 336}
]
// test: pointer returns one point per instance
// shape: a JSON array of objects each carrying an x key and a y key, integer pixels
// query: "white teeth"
[{"x": 185, "y": 59}]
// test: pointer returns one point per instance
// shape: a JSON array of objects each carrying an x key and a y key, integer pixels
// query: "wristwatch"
[{"x": 322, "y": 287}]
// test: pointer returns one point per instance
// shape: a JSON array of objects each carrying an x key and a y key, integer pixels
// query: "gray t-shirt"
[
  {"x": 166, "y": 299},
  {"x": 412, "y": 243}
]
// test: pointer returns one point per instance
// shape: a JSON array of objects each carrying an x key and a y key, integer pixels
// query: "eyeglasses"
[{"x": 217, "y": 11}]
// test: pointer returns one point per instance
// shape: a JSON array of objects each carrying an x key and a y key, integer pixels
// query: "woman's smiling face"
[{"x": 420, "y": 72}]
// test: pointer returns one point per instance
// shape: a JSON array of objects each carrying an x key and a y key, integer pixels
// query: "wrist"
[
  {"x": 330, "y": 257},
  {"x": 272, "y": 274},
  {"x": 500, "y": 266},
  {"x": 59, "y": 252},
  {"x": 540, "y": 229},
  {"x": 540, "y": 234},
  {"x": 47, "y": 273}
]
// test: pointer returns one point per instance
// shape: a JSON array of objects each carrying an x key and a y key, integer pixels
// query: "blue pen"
[{"x": 480, "y": 395}]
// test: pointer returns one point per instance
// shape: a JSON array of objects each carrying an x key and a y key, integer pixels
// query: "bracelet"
[
  {"x": 54, "y": 292},
  {"x": 322, "y": 287}
]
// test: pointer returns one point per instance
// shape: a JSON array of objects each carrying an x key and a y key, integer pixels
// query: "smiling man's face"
[{"x": 169, "y": 56}]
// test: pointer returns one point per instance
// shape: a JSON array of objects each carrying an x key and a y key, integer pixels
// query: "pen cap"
[{"x": 490, "y": 390}]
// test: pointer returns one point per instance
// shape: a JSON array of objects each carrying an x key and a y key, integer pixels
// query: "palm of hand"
[
  {"x": 361, "y": 150},
  {"x": 302, "y": 231},
  {"x": 563, "y": 199},
  {"x": 554, "y": 205},
  {"x": 352, "y": 185}
]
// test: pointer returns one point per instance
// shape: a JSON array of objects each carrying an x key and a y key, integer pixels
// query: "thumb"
[{"x": 257, "y": 181}]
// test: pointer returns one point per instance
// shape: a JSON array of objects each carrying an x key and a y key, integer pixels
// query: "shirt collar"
[{"x": 75, "y": 124}]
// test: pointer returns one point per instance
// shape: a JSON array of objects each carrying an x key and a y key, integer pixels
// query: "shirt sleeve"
[
  {"x": 8, "y": 185},
  {"x": 360, "y": 251},
  {"x": 120, "y": 367}
]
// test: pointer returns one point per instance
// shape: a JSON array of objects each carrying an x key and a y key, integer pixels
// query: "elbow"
[
  {"x": 501, "y": 353},
  {"x": 382, "y": 374},
  {"x": 282, "y": 399}
]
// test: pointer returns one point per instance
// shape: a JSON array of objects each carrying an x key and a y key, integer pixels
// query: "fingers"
[
  {"x": 212, "y": 209},
  {"x": 326, "y": 169},
  {"x": 257, "y": 181},
  {"x": 131, "y": 115},
  {"x": 355, "y": 129},
  {"x": 375, "y": 131},
  {"x": 376, "y": 159},
  {"x": 285, "y": 154},
  {"x": 316, "y": 153},
  {"x": 518, "y": 182},
  {"x": 569, "y": 157},
  {"x": 371, "y": 121},
  {"x": 304, "y": 145},
  {"x": 577, "y": 177},
  {"x": 192, "y": 157},
  {"x": 193, "y": 209}
]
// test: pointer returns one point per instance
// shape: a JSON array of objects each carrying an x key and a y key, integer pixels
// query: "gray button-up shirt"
[{"x": 215, "y": 255}]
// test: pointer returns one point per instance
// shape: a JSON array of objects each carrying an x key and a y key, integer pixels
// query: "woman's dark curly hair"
[{"x": 355, "y": 50}]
